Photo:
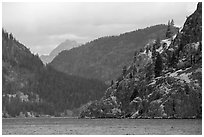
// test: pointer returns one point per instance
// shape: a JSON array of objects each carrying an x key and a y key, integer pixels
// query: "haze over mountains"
[
  {"x": 83, "y": 22},
  {"x": 66, "y": 45},
  {"x": 31, "y": 88},
  {"x": 103, "y": 58}
]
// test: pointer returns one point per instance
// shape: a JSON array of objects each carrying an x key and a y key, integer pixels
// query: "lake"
[{"x": 76, "y": 126}]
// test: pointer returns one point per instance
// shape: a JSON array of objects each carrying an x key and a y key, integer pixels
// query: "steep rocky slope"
[
  {"x": 66, "y": 45},
  {"x": 104, "y": 58},
  {"x": 162, "y": 82}
]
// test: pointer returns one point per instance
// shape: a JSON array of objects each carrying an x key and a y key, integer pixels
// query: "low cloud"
[
  {"x": 43, "y": 26},
  {"x": 63, "y": 37}
]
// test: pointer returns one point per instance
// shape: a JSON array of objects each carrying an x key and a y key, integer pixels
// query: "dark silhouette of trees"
[
  {"x": 130, "y": 75},
  {"x": 172, "y": 23},
  {"x": 153, "y": 52},
  {"x": 158, "y": 65},
  {"x": 147, "y": 50},
  {"x": 135, "y": 56},
  {"x": 124, "y": 70},
  {"x": 173, "y": 60},
  {"x": 11, "y": 36},
  {"x": 169, "y": 32},
  {"x": 134, "y": 94},
  {"x": 58, "y": 91},
  {"x": 157, "y": 43},
  {"x": 141, "y": 50},
  {"x": 112, "y": 82},
  {"x": 200, "y": 46}
]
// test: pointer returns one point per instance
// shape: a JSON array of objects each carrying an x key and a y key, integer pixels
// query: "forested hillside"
[
  {"x": 105, "y": 57},
  {"x": 155, "y": 72},
  {"x": 163, "y": 81},
  {"x": 30, "y": 88}
]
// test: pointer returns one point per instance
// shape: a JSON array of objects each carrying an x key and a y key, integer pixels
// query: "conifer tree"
[
  {"x": 168, "y": 31},
  {"x": 130, "y": 76},
  {"x": 147, "y": 50},
  {"x": 172, "y": 23},
  {"x": 153, "y": 52},
  {"x": 141, "y": 50},
  {"x": 158, "y": 65},
  {"x": 157, "y": 43},
  {"x": 200, "y": 47},
  {"x": 124, "y": 70},
  {"x": 135, "y": 56},
  {"x": 11, "y": 36},
  {"x": 172, "y": 61},
  {"x": 112, "y": 82}
]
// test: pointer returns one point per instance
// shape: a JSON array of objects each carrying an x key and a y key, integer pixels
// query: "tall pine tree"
[
  {"x": 172, "y": 23},
  {"x": 153, "y": 52},
  {"x": 158, "y": 65},
  {"x": 173, "y": 60},
  {"x": 157, "y": 43},
  {"x": 124, "y": 70},
  {"x": 169, "y": 29}
]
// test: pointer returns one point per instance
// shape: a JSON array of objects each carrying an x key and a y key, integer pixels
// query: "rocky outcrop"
[
  {"x": 176, "y": 93},
  {"x": 191, "y": 31}
]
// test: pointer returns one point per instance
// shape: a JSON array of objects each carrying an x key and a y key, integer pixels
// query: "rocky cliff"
[{"x": 163, "y": 81}]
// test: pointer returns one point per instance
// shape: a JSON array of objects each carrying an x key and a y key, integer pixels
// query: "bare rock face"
[
  {"x": 192, "y": 29},
  {"x": 176, "y": 93}
]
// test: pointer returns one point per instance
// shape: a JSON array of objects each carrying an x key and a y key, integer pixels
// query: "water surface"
[{"x": 101, "y": 126}]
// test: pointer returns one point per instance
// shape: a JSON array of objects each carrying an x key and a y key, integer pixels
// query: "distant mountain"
[
  {"x": 163, "y": 81},
  {"x": 66, "y": 45},
  {"x": 104, "y": 58},
  {"x": 30, "y": 88}
]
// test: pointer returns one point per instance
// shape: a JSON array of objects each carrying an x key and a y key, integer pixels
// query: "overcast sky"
[{"x": 42, "y": 26}]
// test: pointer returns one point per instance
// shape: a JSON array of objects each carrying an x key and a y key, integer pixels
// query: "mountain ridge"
[
  {"x": 103, "y": 58},
  {"x": 29, "y": 88},
  {"x": 164, "y": 81},
  {"x": 66, "y": 45}
]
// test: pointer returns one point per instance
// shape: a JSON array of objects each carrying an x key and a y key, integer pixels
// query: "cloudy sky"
[{"x": 42, "y": 26}]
